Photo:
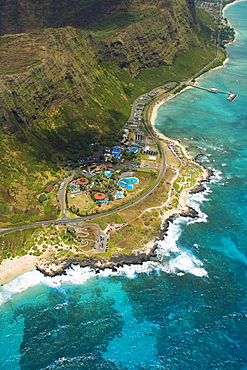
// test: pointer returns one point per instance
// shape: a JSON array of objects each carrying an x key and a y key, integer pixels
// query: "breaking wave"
[{"x": 173, "y": 259}]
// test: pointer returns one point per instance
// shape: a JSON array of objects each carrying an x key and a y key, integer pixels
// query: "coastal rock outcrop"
[
  {"x": 97, "y": 264},
  {"x": 64, "y": 88}
]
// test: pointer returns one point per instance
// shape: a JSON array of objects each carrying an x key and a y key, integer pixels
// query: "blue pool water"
[
  {"x": 132, "y": 150},
  {"x": 108, "y": 173},
  {"x": 188, "y": 311},
  {"x": 119, "y": 195},
  {"x": 102, "y": 200},
  {"x": 128, "y": 182}
]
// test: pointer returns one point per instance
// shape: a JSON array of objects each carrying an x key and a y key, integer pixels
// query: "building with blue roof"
[{"x": 117, "y": 151}]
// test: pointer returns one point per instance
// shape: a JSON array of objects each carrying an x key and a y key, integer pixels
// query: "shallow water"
[{"x": 187, "y": 312}]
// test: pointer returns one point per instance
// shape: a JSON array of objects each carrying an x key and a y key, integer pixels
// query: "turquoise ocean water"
[{"x": 190, "y": 310}]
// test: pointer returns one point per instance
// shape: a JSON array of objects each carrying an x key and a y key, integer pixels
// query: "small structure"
[
  {"x": 232, "y": 96},
  {"x": 49, "y": 189},
  {"x": 133, "y": 124},
  {"x": 74, "y": 187},
  {"x": 96, "y": 168},
  {"x": 82, "y": 181},
  {"x": 99, "y": 196},
  {"x": 42, "y": 198},
  {"x": 126, "y": 174},
  {"x": 116, "y": 151},
  {"x": 139, "y": 137},
  {"x": 119, "y": 195},
  {"x": 71, "y": 230},
  {"x": 214, "y": 90}
]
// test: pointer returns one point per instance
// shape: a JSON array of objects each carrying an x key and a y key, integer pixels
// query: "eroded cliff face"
[
  {"x": 63, "y": 88},
  {"x": 54, "y": 93},
  {"x": 44, "y": 70},
  {"x": 154, "y": 41},
  {"x": 18, "y": 16}
]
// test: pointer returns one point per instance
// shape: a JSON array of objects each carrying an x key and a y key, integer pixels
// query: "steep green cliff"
[
  {"x": 63, "y": 88},
  {"x": 18, "y": 16}
]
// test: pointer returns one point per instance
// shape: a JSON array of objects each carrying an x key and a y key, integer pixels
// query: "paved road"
[
  {"x": 62, "y": 195},
  {"x": 101, "y": 239},
  {"x": 141, "y": 197}
]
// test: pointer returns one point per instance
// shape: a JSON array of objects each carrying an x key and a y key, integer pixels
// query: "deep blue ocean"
[{"x": 190, "y": 310}]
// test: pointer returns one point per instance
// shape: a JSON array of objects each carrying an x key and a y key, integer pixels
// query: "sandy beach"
[
  {"x": 184, "y": 194},
  {"x": 227, "y": 5},
  {"x": 11, "y": 268}
]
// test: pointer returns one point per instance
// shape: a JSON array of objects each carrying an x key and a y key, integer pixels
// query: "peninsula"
[
  {"x": 102, "y": 205},
  {"x": 115, "y": 231}
]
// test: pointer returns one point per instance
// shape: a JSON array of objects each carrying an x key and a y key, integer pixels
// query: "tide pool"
[{"x": 188, "y": 311}]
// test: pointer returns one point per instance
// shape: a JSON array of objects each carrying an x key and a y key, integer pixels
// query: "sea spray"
[
  {"x": 193, "y": 322},
  {"x": 173, "y": 259}
]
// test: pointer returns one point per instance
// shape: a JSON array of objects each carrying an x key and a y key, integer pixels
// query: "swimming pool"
[
  {"x": 108, "y": 173},
  {"x": 102, "y": 200},
  {"x": 119, "y": 195},
  {"x": 128, "y": 182},
  {"x": 132, "y": 150}
]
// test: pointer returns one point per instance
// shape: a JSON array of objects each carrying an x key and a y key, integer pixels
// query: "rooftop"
[
  {"x": 99, "y": 196},
  {"x": 82, "y": 181}
]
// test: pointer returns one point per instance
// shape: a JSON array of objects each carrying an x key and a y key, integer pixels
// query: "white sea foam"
[
  {"x": 194, "y": 201},
  {"x": 176, "y": 260},
  {"x": 19, "y": 284},
  {"x": 74, "y": 275},
  {"x": 173, "y": 259},
  {"x": 169, "y": 243},
  {"x": 187, "y": 263},
  {"x": 217, "y": 176},
  {"x": 217, "y": 148}
]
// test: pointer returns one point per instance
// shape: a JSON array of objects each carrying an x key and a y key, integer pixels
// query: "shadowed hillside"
[
  {"x": 18, "y": 16},
  {"x": 64, "y": 88}
]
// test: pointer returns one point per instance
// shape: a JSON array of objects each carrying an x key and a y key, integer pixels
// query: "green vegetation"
[
  {"x": 117, "y": 23},
  {"x": 16, "y": 243},
  {"x": 55, "y": 112},
  {"x": 227, "y": 34},
  {"x": 103, "y": 221},
  {"x": 35, "y": 241}
]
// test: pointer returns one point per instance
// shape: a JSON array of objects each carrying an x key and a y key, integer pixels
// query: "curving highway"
[{"x": 149, "y": 129}]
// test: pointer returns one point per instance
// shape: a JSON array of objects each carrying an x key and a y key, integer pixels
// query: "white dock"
[{"x": 231, "y": 95}]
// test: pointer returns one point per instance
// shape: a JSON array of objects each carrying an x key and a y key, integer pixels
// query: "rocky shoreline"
[
  {"x": 98, "y": 264},
  {"x": 54, "y": 269}
]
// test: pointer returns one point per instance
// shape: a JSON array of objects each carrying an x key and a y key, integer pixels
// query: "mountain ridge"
[
  {"x": 64, "y": 88},
  {"x": 17, "y": 16}
]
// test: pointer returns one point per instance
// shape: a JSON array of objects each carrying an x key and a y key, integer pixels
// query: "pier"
[{"x": 231, "y": 95}]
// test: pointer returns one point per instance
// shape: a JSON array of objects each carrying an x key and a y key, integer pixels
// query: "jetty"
[{"x": 231, "y": 95}]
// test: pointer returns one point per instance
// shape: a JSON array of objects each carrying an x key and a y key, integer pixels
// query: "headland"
[{"x": 139, "y": 222}]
